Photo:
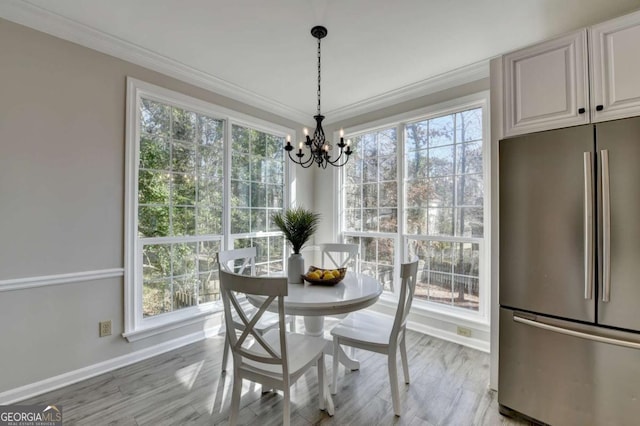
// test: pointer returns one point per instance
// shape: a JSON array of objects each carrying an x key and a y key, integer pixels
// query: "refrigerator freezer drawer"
[{"x": 564, "y": 373}]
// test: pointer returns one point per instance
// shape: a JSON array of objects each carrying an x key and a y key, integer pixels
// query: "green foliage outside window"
[
  {"x": 180, "y": 198},
  {"x": 180, "y": 194}
]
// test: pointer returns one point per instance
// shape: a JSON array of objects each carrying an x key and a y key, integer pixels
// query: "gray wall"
[{"x": 62, "y": 150}]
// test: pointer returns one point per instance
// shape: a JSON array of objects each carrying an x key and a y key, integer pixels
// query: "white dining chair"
[
  {"x": 275, "y": 359},
  {"x": 377, "y": 333},
  {"x": 338, "y": 255},
  {"x": 243, "y": 262}
]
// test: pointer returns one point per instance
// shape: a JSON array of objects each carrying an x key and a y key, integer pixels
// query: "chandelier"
[{"x": 319, "y": 151}]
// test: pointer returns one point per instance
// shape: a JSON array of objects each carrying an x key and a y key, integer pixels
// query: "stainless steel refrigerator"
[{"x": 570, "y": 275}]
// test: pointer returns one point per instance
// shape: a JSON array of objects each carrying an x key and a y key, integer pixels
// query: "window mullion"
[
  {"x": 455, "y": 177},
  {"x": 227, "y": 148},
  {"x": 402, "y": 249}
]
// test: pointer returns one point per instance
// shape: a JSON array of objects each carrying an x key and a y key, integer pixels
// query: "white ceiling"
[{"x": 374, "y": 47}]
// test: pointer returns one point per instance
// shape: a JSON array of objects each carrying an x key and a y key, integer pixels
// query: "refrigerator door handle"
[
  {"x": 588, "y": 226},
  {"x": 575, "y": 333},
  {"x": 606, "y": 227}
]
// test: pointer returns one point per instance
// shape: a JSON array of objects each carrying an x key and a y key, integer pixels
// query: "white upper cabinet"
[
  {"x": 615, "y": 68},
  {"x": 546, "y": 85},
  {"x": 558, "y": 84}
]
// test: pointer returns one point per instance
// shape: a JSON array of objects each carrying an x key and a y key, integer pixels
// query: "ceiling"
[{"x": 263, "y": 48}]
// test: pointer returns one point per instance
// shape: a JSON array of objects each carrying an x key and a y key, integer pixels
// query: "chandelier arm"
[
  {"x": 337, "y": 159},
  {"x": 346, "y": 159},
  {"x": 305, "y": 163}
]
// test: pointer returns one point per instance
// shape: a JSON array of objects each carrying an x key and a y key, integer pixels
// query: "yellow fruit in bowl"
[
  {"x": 328, "y": 276},
  {"x": 315, "y": 275}
]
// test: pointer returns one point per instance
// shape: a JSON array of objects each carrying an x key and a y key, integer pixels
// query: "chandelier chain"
[{"x": 319, "y": 76}]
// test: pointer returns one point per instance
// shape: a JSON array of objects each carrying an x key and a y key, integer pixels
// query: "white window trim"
[
  {"x": 135, "y": 326},
  {"x": 481, "y": 318}
]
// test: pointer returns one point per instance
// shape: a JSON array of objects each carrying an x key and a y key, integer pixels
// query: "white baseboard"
[
  {"x": 421, "y": 325},
  {"x": 477, "y": 344},
  {"x": 47, "y": 385}
]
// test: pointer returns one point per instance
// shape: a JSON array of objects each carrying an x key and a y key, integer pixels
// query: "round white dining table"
[{"x": 314, "y": 302}]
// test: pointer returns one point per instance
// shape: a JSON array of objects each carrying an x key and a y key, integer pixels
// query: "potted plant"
[{"x": 298, "y": 225}]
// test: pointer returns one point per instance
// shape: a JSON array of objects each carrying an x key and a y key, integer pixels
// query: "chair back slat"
[
  {"x": 340, "y": 255},
  {"x": 233, "y": 285},
  {"x": 408, "y": 278},
  {"x": 230, "y": 260}
]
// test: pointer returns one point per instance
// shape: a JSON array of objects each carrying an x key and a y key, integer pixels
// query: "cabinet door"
[
  {"x": 546, "y": 85},
  {"x": 615, "y": 68}
]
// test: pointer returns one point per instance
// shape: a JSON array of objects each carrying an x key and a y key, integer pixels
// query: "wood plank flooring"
[{"x": 185, "y": 387}]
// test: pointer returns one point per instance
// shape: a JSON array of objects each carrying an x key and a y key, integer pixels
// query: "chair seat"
[
  {"x": 365, "y": 327},
  {"x": 302, "y": 350}
]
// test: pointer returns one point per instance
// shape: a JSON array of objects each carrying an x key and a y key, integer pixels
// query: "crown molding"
[
  {"x": 40, "y": 19},
  {"x": 457, "y": 77}
]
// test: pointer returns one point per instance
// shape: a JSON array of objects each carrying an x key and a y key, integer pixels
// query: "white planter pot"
[{"x": 295, "y": 269}]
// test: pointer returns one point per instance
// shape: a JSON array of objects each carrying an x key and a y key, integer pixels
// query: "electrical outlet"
[
  {"x": 105, "y": 328},
  {"x": 466, "y": 332}
]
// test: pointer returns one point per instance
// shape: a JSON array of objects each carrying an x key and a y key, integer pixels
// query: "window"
[
  {"x": 180, "y": 190},
  {"x": 428, "y": 169},
  {"x": 186, "y": 160},
  {"x": 444, "y": 198},
  {"x": 371, "y": 202}
]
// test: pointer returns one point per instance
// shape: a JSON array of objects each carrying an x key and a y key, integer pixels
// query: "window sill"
[
  {"x": 172, "y": 322},
  {"x": 441, "y": 313}
]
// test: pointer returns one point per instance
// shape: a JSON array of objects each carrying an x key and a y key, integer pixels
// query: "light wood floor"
[{"x": 448, "y": 387}]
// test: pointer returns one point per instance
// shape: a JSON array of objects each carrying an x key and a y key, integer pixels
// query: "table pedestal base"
[{"x": 314, "y": 326}]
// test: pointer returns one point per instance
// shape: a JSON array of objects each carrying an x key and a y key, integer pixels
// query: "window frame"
[
  {"x": 399, "y": 121},
  {"x": 135, "y": 325}
]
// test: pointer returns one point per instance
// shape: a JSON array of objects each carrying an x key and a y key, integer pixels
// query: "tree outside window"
[
  {"x": 441, "y": 201},
  {"x": 181, "y": 191}
]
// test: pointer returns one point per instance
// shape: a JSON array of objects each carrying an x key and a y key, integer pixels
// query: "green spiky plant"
[{"x": 298, "y": 225}]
